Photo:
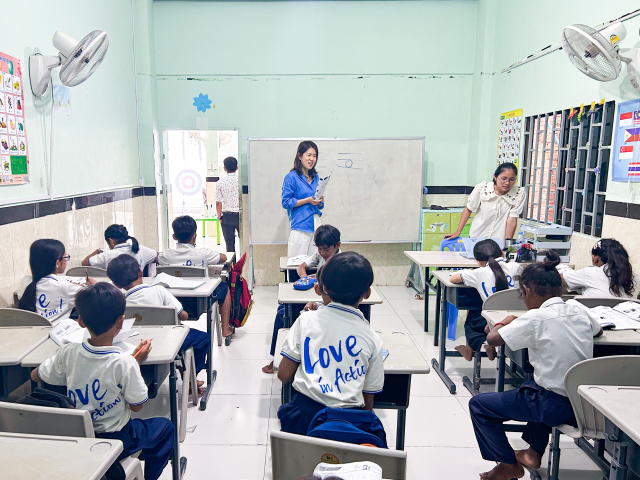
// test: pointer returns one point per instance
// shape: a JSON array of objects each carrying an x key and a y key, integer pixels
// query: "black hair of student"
[
  {"x": 346, "y": 277},
  {"x": 120, "y": 234},
  {"x": 43, "y": 255},
  {"x": 542, "y": 277},
  {"x": 231, "y": 164},
  {"x": 502, "y": 167},
  {"x": 617, "y": 268},
  {"x": 326, "y": 236},
  {"x": 487, "y": 251},
  {"x": 100, "y": 306},
  {"x": 123, "y": 270},
  {"x": 297, "y": 163},
  {"x": 184, "y": 228}
]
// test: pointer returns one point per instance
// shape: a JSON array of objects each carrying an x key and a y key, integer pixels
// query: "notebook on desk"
[
  {"x": 469, "y": 243},
  {"x": 177, "y": 283},
  {"x": 624, "y": 316}
]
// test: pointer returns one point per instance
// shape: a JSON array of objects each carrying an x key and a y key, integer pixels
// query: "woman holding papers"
[
  {"x": 298, "y": 198},
  {"x": 497, "y": 205}
]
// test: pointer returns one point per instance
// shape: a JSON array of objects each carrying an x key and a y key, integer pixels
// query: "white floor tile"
[
  {"x": 381, "y": 322},
  {"x": 445, "y": 463},
  {"x": 259, "y": 323},
  {"x": 244, "y": 346},
  {"x": 241, "y": 377}
]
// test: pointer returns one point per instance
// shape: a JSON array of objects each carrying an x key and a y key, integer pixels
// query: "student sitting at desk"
[
  {"x": 611, "y": 274},
  {"x": 120, "y": 242},
  {"x": 50, "y": 294},
  {"x": 494, "y": 275},
  {"x": 332, "y": 355},
  {"x": 125, "y": 273},
  {"x": 557, "y": 336},
  {"x": 186, "y": 253},
  {"x": 105, "y": 381}
]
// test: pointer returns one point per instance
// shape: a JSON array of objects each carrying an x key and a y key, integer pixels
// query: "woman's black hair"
[
  {"x": 542, "y": 277},
  {"x": 120, "y": 235},
  {"x": 487, "y": 251},
  {"x": 297, "y": 163},
  {"x": 617, "y": 266},
  {"x": 502, "y": 167},
  {"x": 43, "y": 255}
]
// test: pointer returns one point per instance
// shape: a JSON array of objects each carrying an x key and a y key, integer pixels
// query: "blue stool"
[{"x": 452, "y": 245}]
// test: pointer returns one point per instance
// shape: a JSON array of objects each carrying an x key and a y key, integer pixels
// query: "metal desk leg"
[
  {"x": 438, "y": 317},
  {"x": 439, "y": 366},
  {"x": 426, "y": 299},
  {"x": 178, "y": 464},
  {"x": 402, "y": 420},
  {"x": 211, "y": 373},
  {"x": 501, "y": 369}
]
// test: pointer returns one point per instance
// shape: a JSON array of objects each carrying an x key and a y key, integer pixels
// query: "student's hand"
[
  {"x": 144, "y": 347},
  {"x": 310, "y": 306},
  {"x": 508, "y": 319},
  {"x": 96, "y": 252},
  {"x": 314, "y": 202},
  {"x": 90, "y": 281},
  {"x": 451, "y": 236},
  {"x": 487, "y": 328}
]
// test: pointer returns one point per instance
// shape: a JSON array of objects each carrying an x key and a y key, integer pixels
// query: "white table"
[{"x": 43, "y": 457}]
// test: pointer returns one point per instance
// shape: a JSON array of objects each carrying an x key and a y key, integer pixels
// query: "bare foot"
[
  {"x": 529, "y": 458},
  {"x": 227, "y": 332},
  {"x": 504, "y": 471},
  {"x": 465, "y": 351},
  {"x": 491, "y": 352},
  {"x": 268, "y": 368}
]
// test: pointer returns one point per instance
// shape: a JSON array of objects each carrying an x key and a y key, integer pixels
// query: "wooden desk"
[{"x": 43, "y": 457}]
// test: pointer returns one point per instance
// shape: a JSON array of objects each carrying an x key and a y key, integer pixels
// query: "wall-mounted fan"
[
  {"x": 598, "y": 55},
  {"x": 77, "y": 60}
]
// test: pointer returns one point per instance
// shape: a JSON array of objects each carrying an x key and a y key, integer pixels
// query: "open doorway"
[{"x": 194, "y": 167}]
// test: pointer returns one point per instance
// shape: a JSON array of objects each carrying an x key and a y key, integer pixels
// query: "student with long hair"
[{"x": 120, "y": 242}]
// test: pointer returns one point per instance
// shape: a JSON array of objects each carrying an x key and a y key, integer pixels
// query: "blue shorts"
[{"x": 220, "y": 293}]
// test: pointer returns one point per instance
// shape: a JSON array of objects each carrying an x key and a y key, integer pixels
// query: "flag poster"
[
  {"x": 626, "y": 146},
  {"x": 509, "y": 137}
]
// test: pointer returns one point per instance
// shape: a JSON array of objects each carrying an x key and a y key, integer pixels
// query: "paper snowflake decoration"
[{"x": 202, "y": 102}]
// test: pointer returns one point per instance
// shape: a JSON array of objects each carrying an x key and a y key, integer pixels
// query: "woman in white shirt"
[
  {"x": 119, "y": 241},
  {"x": 611, "y": 274},
  {"x": 497, "y": 205}
]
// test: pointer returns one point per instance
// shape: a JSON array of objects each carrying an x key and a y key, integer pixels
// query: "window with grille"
[{"x": 565, "y": 167}]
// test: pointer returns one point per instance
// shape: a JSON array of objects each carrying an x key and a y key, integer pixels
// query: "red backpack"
[{"x": 241, "y": 302}]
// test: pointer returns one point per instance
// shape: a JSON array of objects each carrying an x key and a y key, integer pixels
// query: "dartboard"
[{"x": 189, "y": 182}]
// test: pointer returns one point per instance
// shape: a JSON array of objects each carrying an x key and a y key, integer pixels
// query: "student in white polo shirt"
[
  {"x": 186, "y": 253},
  {"x": 557, "y": 336},
  {"x": 327, "y": 241},
  {"x": 120, "y": 242},
  {"x": 332, "y": 354},
  {"x": 50, "y": 294},
  {"x": 125, "y": 273}
]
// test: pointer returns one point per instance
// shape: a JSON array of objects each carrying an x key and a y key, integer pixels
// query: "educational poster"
[
  {"x": 14, "y": 152},
  {"x": 626, "y": 145},
  {"x": 509, "y": 137}
]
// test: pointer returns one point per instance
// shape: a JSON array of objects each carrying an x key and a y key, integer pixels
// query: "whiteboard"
[{"x": 374, "y": 195}]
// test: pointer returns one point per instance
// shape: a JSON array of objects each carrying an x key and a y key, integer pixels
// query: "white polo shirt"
[
  {"x": 483, "y": 279},
  {"x": 188, "y": 255},
  {"x": 152, "y": 295},
  {"x": 102, "y": 380},
  {"x": 316, "y": 260},
  {"x": 56, "y": 296},
  {"x": 340, "y": 356},
  {"x": 145, "y": 255},
  {"x": 591, "y": 281},
  {"x": 493, "y": 210},
  {"x": 558, "y": 336}
]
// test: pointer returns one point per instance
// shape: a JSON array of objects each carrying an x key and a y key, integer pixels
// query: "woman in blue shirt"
[{"x": 298, "y": 189}]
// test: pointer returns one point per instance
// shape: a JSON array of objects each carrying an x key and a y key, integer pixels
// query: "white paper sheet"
[{"x": 322, "y": 186}]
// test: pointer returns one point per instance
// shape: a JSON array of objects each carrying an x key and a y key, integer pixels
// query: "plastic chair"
[
  {"x": 84, "y": 271},
  {"x": 148, "y": 315},
  {"x": 453, "y": 245},
  {"x": 296, "y": 456},
  {"x": 591, "y": 302},
  {"x": 65, "y": 422},
  {"x": 505, "y": 300},
  {"x": 13, "y": 317},
  {"x": 618, "y": 370}
]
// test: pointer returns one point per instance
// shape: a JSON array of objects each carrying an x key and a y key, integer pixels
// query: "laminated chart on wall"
[
  {"x": 626, "y": 146},
  {"x": 14, "y": 153},
  {"x": 509, "y": 137}
]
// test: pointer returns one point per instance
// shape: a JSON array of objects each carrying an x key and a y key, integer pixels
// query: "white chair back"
[
  {"x": 13, "y": 317},
  {"x": 296, "y": 456},
  {"x": 505, "y": 300},
  {"x": 31, "y": 419},
  {"x": 148, "y": 315},
  {"x": 181, "y": 271},
  {"x": 591, "y": 302},
  {"x": 84, "y": 271}
]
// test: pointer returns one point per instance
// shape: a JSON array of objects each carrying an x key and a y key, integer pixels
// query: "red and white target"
[{"x": 189, "y": 182}]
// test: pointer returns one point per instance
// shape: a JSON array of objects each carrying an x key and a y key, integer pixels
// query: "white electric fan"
[
  {"x": 77, "y": 60},
  {"x": 597, "y": 53}
]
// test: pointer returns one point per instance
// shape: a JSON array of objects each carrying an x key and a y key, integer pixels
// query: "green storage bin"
[
  {"x": 437, "y": 222},
  {"x": 431, "y": 242}
]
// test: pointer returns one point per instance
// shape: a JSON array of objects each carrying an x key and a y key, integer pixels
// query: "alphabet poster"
[
  {"x": 509, "y": 137},
  {"x": 14, "y": 153}
]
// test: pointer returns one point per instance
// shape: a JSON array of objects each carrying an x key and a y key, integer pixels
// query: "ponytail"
[
  {"x": 487, "y": 251},
  {"x": 617, "y": 266},
  {"x": 43, "y": 255},
  {"x": 119, "y": 234},
  {"x": 543, "y": 278}
]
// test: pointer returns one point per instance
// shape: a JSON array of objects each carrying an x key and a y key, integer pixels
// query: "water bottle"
[{"x": 521, "y": 238}]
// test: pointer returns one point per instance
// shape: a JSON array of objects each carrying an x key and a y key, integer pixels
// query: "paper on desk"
[
  {"x": 69, "y": 333},
  {"x": 349, "y": 471},
  {"x": 630, "y": 309},
  {"x": 168, "y": 281},
  {"x": 608, "y": 317},
  {"x": 322, "y": 186},
  {"x": 297, "y": 260}
]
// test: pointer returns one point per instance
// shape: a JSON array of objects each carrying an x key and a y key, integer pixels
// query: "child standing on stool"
[
  {"x": 557, "y": 336},
  {"x": 125, "y": 273},
  {"x": 105, "y": 381},
  {"x": 494, "y": 275},
  {"x": 332, "y": 355}
]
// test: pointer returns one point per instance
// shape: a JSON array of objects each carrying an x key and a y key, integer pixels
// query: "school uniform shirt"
[
  {"x": 316, "y": 260},
  {"x": 145, "y": 255},
  {"x": 340, "y": 356},
  {"x": 591, "y": 281},
  {"x": 56, "y": 296},
  {"x": 493, "y": 210},
  {"x": 227, "y": 193},
  {"x": 188, "y": 255},
  {"x": 102, "y": 380},
  {"x": 483, "y": 279},
  {"x": 153, "y": 295},
  {"x": 557, "y": 335},
  {"x": 295, "y": 187}
]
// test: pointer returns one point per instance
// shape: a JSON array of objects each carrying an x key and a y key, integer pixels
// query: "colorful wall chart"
[
  {"x": 509, "y": 137},
  {"x": 14, "y": 153},
  {"x": 626, "y": 145}
]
